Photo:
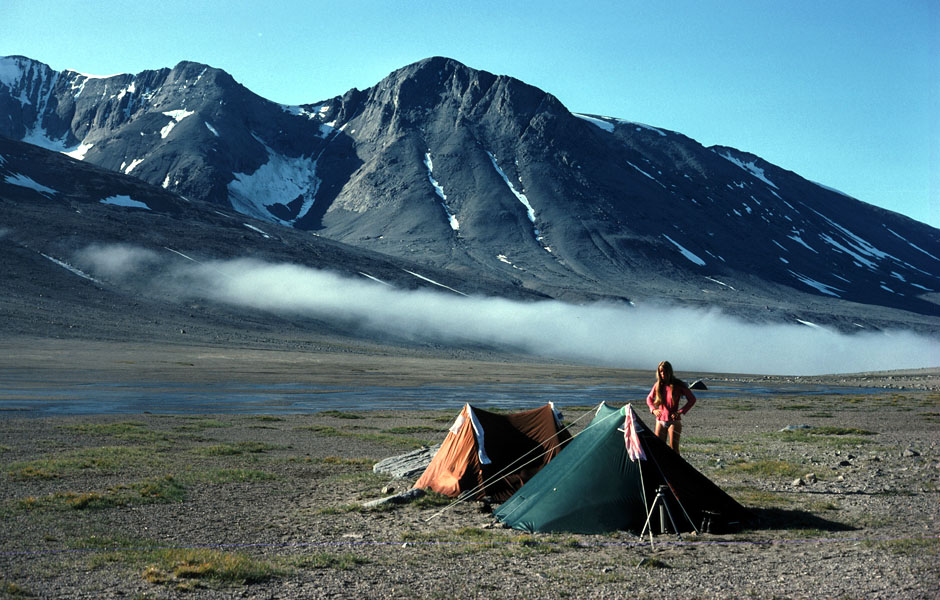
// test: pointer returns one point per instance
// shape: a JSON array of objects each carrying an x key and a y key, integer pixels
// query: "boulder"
[
  {"x": 402, "y": 498},
  {"x": 407, "y": 465}
]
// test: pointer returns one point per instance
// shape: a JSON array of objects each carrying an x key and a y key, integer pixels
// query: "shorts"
[{"x": 677, "y": 424}]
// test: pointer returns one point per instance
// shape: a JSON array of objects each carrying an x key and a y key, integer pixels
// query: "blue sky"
[{"x": 845, "y": 93}]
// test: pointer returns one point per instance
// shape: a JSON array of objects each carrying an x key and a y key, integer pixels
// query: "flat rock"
[{"x": 407, "y": 465}]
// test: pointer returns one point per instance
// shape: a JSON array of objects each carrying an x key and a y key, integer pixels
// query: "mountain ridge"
[{"x": 485, "y": 176}]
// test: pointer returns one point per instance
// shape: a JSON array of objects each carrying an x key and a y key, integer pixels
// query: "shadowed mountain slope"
[{"x": 489, "y": 179}]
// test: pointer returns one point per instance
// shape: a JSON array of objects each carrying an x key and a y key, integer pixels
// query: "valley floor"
[{"x": 265, "y": 506}]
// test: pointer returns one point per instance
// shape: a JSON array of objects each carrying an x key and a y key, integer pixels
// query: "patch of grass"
[
  {"x": 828, "y": 436},
  {"x": 339, "y": 414},
  {"x": 823, "y": 506},
  {"x": 433, "y": 500},
  {"x": 323, "y": 430},
  {"x": 475, "y": 535},
  {"x": 185, "y": 566},
  {"x": 266, "y": 418},
  {"x": 910, "y": 546},
  {"x": 381, "y": 438},
  {"x": 235, "y": 449},
  {"x": 754, "y": 497},
  {"x": 151, "y": 491},
  {"x": 700, "y": 440},
  {"x": 777, "y": 469},
  {"x": 840, "y": 431},
  {"x": 363, "y": 463},
  {"x": 230, "y": 476},
  {"x": 795, "y": 407},
  {"x": 441, "y": 418},
  {"x": 703, "y": 445},
  {"x": 9, "y": 589},
  {"x": 739, "y": 404},
  {"x": 105, "y": 542},
  {"x": 652, "y": 563},
  {"x": 104, "y": 458},
  {"x": 132, "y": 431},
  {"x": 411, "y": 429},
  {"x": 364, "y": 479},
  {"x": 201, "y": 424}
]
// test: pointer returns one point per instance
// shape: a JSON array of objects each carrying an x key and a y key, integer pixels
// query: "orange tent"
[{"x": 500, "y": 451}]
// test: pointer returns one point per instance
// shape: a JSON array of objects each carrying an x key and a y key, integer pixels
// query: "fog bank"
[{"x": 601, "y": 334}]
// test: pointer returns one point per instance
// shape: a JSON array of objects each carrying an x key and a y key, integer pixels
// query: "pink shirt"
[{"x": 670, "y": 410}]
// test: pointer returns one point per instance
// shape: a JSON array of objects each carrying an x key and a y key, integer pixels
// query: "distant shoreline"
[{"x": 83, "y": 361}]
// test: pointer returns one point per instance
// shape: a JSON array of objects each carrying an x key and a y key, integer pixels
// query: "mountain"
[
  {"x": 487, "y": 179},
  {"x": 55, "y": 209}
]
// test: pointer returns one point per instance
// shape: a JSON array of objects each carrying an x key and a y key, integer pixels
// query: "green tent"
[{"x": 593, "y": 486}]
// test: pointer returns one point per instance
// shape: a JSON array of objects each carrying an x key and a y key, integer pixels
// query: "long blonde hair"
[{"x": 669, "y": 380}]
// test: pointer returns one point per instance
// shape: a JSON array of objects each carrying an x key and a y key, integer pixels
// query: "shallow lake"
[{"x": 22, "y": 398}]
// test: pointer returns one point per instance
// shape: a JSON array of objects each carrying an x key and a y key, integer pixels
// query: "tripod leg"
[
  {"x": 657, "y": 499},
  {"x": 671, "y": 520}
]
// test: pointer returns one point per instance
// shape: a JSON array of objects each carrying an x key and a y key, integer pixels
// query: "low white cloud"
[
  {"x": 118, "y": 261},
  {"x": 603, "y": 334}
]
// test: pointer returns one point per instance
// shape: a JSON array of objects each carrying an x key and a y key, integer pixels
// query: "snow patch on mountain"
[
  {"x": 795, "y": 236},
  {"x": 431, "y": 281},
  {"x": 859, "y": 259},
  {"x": 912, "y": 245},
  {"x": 751, "y": 167},
  {"x": 642, "y": 126},
  {"x": 253, "y": 228},
  {"x": 79, "y": 152},
  {"x": 820, "y": 287},
  {"x": 177, "y": 116},
  {"x": 127, "y": 168},
  {"x": 439, "y": 190},
  {"x": 519, "y": 195},
  {"x": 10, "y": 71},
  {"x": 281, "y": 180},
  {"x": 857, "y": 242},
  {"x": 685, "y": 252},
  {"x": 125, "y": 201},
  {"x": 23, "y": 181},
  {"x": 605, "y": 125},
  {"x": 69, "y": 268},
  {"x": 522, "y": 198}
]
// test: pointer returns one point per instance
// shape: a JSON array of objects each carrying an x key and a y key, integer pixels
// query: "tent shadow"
[{"x": 781, "y": 518}]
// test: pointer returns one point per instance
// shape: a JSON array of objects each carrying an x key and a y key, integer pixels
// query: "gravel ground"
[{"x": 254, "y": 506}]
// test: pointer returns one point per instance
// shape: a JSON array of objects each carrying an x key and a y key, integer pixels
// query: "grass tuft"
[
  {"x": 103, "y": 458},
  {"x": 8, "y": 589},
  {"x": 152, "y": 491},
  {"x": 338, "y": 414},
  {"x": 411, "y": 429},
  {"x": 177, "y": 565},
  {"x": 235, "y": 449},
  {"x": 765, "y": 468}
]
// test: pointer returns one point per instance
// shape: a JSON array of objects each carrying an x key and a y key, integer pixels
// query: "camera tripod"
[{"x": 660, "y": 500}]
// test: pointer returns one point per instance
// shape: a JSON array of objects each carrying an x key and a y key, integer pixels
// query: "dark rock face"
[{"x": 488, "y": 178}]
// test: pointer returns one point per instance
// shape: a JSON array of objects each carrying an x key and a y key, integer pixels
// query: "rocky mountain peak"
[{"x": 484, "y": 174}]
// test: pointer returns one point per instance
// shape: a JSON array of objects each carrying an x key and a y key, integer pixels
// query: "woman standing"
[{"x": 663, "y": 401}]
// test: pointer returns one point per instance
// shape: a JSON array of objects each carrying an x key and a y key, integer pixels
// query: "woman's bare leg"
[
  {"x": 660, "y": 431},
  {"x": 675, "y": 432}
]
